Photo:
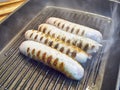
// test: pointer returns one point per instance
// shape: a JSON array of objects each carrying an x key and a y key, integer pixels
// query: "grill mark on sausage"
[
  {"x": 35, "y": 37},
  {"x": 63, "y": 25},
  {"x": 83, "y": 32},
  {"x": 63, "y": 38},
  {"x": 73, "y": 54},
  {"x": 49, "y": 59},
  {"x": 61, "y": 49},
  {"x": 68, "y": 41},
  {"x": 67, "y": 28},
  {"x": 41, "y": 38},
  {"x": 80, "y": 44},
  {"x": 74, "y": 42},
  {"x": 40, "y": 28},
  {"x": 68, "y": 51},
  {"x": 77, "y": 31},
  {"x": 31, "y": 35},
  {"x": 44, "y": 29},
  {"x": 53, "y": 35},
  {"x": 48, "y": 33},
  {"x": 55, "y": 21},
  {"x": 93, "y": 47},
  {"x": 51, "y": 43},
  {"x": 28, "y": 49},
  {"x": 56, "y": 46},
  {"x": 72, "y": 30},
  {"x": 44, "y": 56},
  {"x": 58, "y": 24},
  {"x": 55, "y": 62},
  {"x": 86, "y": 47},
  {"x": 61, "y": 66},
  {"x": 58, "y": 37},
  {"x": 38, "y": 53},
  {"x": 33, "y": 51},
  {"x": 46, "y": 41}
]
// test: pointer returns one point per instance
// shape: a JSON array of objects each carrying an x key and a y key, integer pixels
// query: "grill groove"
[{"x": 20, "y": 72}]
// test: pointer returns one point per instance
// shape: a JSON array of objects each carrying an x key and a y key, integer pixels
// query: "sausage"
[
  {"x": 88, "y": 45},
  {"x": 75, "y": 28},
  {"x": 52, "y": 58},
  {"x": 70, "y": 50}
]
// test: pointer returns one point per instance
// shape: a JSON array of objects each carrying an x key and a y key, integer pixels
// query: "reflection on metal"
[{"x": 20, "y": 72}]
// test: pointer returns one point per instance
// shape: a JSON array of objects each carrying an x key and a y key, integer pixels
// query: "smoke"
[{"x": 114, "y": 26}]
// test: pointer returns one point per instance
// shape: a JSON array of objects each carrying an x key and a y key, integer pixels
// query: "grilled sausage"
[
  {"x": 72, "y": 51},
  {"x": 75, "y": 28},
  {"x": 52, "y": 58},
  {"x": 86, "y": 44}
]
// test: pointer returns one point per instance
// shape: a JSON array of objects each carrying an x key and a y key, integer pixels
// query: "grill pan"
[{"x": 20, "y": 72}]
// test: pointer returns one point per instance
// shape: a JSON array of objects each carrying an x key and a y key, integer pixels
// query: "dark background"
[{"x": 22, "y": 16}]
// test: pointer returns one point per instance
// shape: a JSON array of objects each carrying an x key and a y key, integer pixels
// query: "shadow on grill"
[{"x": 20, "y": 72}]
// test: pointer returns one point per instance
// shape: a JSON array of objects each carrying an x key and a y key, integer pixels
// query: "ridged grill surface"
[{"x": 18, "y": 72}]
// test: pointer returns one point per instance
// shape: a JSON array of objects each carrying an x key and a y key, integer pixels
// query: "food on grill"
[
  {"x": 52, "y": 58},
  {"x": 70, "y": 50},
  {"x": 88, "y": 45},
  {"x": 75, "y": 28}
]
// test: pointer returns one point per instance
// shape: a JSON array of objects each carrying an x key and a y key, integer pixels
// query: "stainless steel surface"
[
  {"x": 13, "y": 26},
  {"x": 20, "y": 72},
  {"x": 116, "y": 1}
]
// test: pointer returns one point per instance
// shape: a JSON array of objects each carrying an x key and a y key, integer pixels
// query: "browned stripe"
[
  {"x": 41, "y": 38},
  {"x": 61, "y": 66},
  {"x": 56, "y": 46},
  {"x": 46, "y": 41},
  {"x": 86, "y": 47},
  {"x": 31, "y": 35},
  {"x": 36, "y": 37},
  {"x": 58, "y": 37},
  {"x": 72, "y": 30},
  {"x": 63, "y": 38},
  {"x": 44, "y": 56},
  {"x": 77, "y": 31},
  {"x": 58, "y": 24},
  {"x": 74, "y": 42},
  {"x": 48, "y": 33},
  {"x": 55, "y": 21},
  {"x": 67, "y": 28},
  {"x": 61, "y": 49},
  {"x": 55, "y": 62},
  {"x": 93, "y": 47},
  {"x": 28, "y": 49},
  {"x": 50, "y": 43},
  {"x": 49, "y": 59},
  {"x": 68, "y": 41},
  {"x": 44, "y": 29},
  {"x": 40, "y": 28},
  {"x": 80, "y": 44},
  {"x": 83, "y": 32},
  {"x": 68, "y": 51},
  {"x": 38, "y": 53},
  {"x": 33, "y": 51},
  {"x": 53, "y": 35},
  {"x": 73, "y": 54},
  {"x": 63, "y": 25}
]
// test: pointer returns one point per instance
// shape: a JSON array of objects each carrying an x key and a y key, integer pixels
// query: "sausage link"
[
  {"x": 72, "y": 39},
  {"x": 74, "y": 52},
  {"x": 52, "y": 58},
  {"x": 75, "y": 28}
]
